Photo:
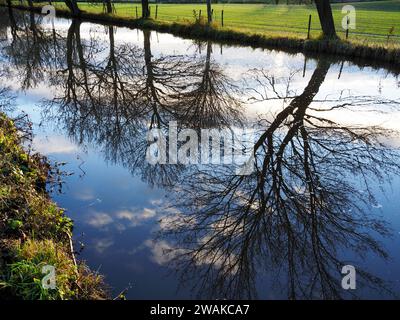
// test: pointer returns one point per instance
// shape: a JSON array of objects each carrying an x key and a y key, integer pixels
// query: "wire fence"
[{"x": 284, "y": 20}]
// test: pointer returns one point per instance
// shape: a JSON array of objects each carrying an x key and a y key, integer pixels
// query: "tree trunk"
[
  {"x": 301, "y": 102},
  {"x": 148, "y": 61},
  {"x": 73, "y": 7},
  {"x": 32, "y": 25},
  {"x": 13, "y": 24},
  {"x": 209, "y": 12},
  {"x": 145, "y": 9},
  {"x": 30, "y": 3},
  {"x": 326, "y": 18},
  {"x": 109, "y": 6}
]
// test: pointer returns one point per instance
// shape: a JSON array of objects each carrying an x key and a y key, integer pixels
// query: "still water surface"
[{"x": 324, "y": 192}]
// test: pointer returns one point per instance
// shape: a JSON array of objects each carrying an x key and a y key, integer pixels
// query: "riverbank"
[
  {"x": 34, "y": 232},
  {"x": 199, "y": 30}
]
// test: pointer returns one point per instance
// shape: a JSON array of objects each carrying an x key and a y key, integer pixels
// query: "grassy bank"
[
  {"x": 374, "y": 20},
  {"x": 353, "y": 49},
  {"x": 34, "y": 232}
]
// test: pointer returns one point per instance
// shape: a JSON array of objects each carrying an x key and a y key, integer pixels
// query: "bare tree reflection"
[
  {"x": 7, "y": 99},
  {"x": 32, "y": 49},
  {"x": 304, "y": 204},
  {"x": 210, "y": 101},
  {"x": 114, "y": 102}
]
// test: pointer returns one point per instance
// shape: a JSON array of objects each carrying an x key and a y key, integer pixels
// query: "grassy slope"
[
  {"x": 34, "y": 232},
  {"x": 372, "y": 17}
]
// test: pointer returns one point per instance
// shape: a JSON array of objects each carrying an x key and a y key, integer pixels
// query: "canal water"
[{"x": 319, "y": 189}]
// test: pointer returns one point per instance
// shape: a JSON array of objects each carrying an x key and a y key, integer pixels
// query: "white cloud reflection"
[
  {"x": 99, "y": 219},
  {"x": 121, "y": 219},
  {"x": 101, "y": 245},
  {"x": 54, "y": 145}
]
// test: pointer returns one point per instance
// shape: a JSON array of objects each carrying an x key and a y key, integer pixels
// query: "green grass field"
[{"x": 374, "y": 19}]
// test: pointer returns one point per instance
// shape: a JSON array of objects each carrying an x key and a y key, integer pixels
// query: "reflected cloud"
[
  {"x": 121, "y": 219},
  {"x": 54, "y": 145},
  {"x": 136, "y": 218},
  {"x": 85, "y": 194},
  {"x": 99, "y": 219},
  {"x": 102, "y": 245},
  {"x": 156, "y": 202},
  {"x": 161, "y": 251}
]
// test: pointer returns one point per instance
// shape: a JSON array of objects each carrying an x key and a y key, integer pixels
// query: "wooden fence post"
[
  {"x": 347, "y": 30},
  {"x": 341, "y": 69},
  {"x": 136, "y": 13},
  {"x": 391, "y": 31},
  {"x": 309, "y": 27},
  {"x": 222, "y": 18},
  {"x": 156, "y": 11}
]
